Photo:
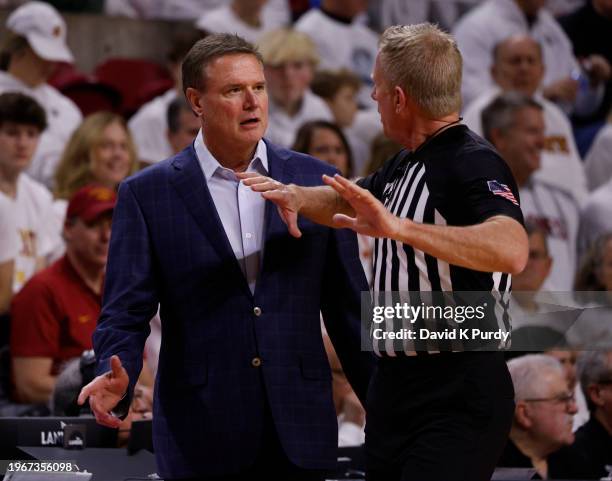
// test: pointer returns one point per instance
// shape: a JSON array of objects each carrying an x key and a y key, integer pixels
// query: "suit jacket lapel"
[{"x": 189, "y": 182}]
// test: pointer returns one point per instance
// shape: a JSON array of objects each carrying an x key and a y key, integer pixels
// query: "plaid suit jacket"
[{"x": 168, "y": 246}]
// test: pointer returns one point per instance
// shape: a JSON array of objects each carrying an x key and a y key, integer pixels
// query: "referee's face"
[{"x": 382, "y": 93}]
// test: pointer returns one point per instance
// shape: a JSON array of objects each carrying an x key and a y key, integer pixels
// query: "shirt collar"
[{"x": 210, "y": 165}]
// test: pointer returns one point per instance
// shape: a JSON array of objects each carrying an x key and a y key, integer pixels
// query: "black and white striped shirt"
[{"x": 456, "y": 178}]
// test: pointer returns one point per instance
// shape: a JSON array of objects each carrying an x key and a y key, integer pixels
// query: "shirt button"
[
  {"x": 248, "y": 235},
  {"x": 256, "y": 362},
  {"x": 257, "y": 311}
]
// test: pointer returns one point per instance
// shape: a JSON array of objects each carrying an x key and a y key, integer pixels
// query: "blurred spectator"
[
  {"x": 494, "y": 20},
  {"x": 598, "y": 161},
  {"x": 517, "y": 66},
  {"x": 538, "y": 267},
  {"x": 22, "y": 120},
  {"x": 325, "y": 141},
  {"x": 589, "y": 29},
  {"x": 100, "y": 151},
  {"x": 339, "y": 90},
  {"x": 563, "y": 7},
  {"x": 568, "y": 359},
  {"x": 53, "y": 317},
  {"x": 290, "y": 58},
  {"x": 595, "y": 216},
  {"x": 149, "y": 125},
  {"x": 36, "y": 42},
  {"x": 514, "y": 124},
  {"x": 382, "y": 149},
  {"x": 592, "y": 451},
  {"x": 343, "y": 41},
  {"x": 245, "y": 18},
  {"x": 543, "y": 416},
  {"x": 183, "y": 125},
  {"x": 9, "y": 249},
  {"x": 595, "y": 273}
]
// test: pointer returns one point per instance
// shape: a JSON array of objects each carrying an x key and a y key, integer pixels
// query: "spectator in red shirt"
[{"x": 55, "y": 314}]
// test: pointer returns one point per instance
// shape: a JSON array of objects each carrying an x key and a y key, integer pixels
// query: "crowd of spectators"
[{"x": 535, "y": 85}]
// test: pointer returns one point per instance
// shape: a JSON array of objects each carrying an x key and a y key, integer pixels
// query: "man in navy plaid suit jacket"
[{"x": 243, "y": 388}]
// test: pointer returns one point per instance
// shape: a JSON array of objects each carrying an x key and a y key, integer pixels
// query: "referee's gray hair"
[
  {"x": 500, "y": 113},
  {"x": 531, "y": 375},
  {"x": 426, "y": 63},
  {"x": 593, "y": 367}
]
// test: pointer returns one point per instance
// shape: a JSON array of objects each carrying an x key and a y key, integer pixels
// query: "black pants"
[
  {"x": 441, "y": 417},
  {"x": 271, "y": 463}
]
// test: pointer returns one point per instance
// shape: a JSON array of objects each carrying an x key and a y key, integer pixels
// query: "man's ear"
[
  {"x": 521, "y": 415},
  {"x": 399, "y": 99},
  {"x": 194, "y": 97}
]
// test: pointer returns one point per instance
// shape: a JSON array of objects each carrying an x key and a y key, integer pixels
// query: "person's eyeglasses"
[{"x": 565, "y": 398}]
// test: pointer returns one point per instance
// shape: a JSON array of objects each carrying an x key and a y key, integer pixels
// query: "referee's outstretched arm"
[{"x": 499, "y": 244}]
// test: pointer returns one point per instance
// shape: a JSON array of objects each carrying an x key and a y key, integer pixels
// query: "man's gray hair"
[
  {"x": 531, "y": 374},
  {"x": 426, "y": 63},
  {"x": 593, "y": 367},
  {"x": 500, "y": 113},
  {"x": 206, "y": 50}
]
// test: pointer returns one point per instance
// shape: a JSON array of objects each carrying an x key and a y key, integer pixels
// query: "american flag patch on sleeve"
[{"x": 502, "y": 190}]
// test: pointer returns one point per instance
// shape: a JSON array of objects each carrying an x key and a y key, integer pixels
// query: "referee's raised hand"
[
  {"x": 105, "y": 392},
  {"x": 371, "y": 217}
]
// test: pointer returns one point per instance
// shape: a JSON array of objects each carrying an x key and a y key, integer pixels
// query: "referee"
[{"x": 446, "y": 217}]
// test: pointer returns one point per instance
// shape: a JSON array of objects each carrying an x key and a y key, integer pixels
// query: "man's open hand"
[{"x": 104, "y": 392}]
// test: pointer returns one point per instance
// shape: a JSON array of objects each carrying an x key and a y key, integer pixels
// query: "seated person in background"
[
  {"x": 592, "y": 451},
  {"x": 149, "y": 125},
  {"x": 325, "y": 141},
  {"x": 598, "y": 160},
  {"x": 32, "y": 49},
  {"x": 514, "y": 124},
  {"x": 343, "y": 40},
  {"x": 518, "y": 66},
  {"x": 183, "y": 125},
  {"x": 290, "y": 59},
  {"x": 595, "y": 216},
  {"x": 22, "y": 120},
  {"x": 55, "y": 314},
  {"x": 486, "y": 25},
  {"x": 543, "y": 416},
  {"x": 9, "y": 248},
  {"x": 339, "y": 89},
  {"x": 100, "y": 151},
  {"x": 245, "y": 18}
]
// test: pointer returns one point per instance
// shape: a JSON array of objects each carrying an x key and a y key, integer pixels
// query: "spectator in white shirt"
[
  {"x": 290, "y": 60},
  {"x": 22, "y": 120},
  {"x": 35, "y": 44},
  {"x": 518, "y": 66},
  {"x": 245, "y": 18}
]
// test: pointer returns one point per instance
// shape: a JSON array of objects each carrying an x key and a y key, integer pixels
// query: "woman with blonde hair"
[{"x": 100, "y": 151}]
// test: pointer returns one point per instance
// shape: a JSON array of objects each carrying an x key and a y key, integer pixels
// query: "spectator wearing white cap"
[{"x": 35, "y": 44}]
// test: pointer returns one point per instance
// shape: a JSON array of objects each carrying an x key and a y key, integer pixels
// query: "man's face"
[
  {"x": 383, "y": 94},
  {"x": 88, "y": 241},
  {"x": 538, "y": 265},
  {"x": 289, "y": 81},
  {"x": 521, "y": 145},
  {"x": 518, "y": 65},
  {"x": 234, "y": 103},
  {"x": 188, "y": 128},
  {"x": 17, "y": 145},
  {"x": 550, "y": 417},
  {"x": 604, "y": 270}
]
